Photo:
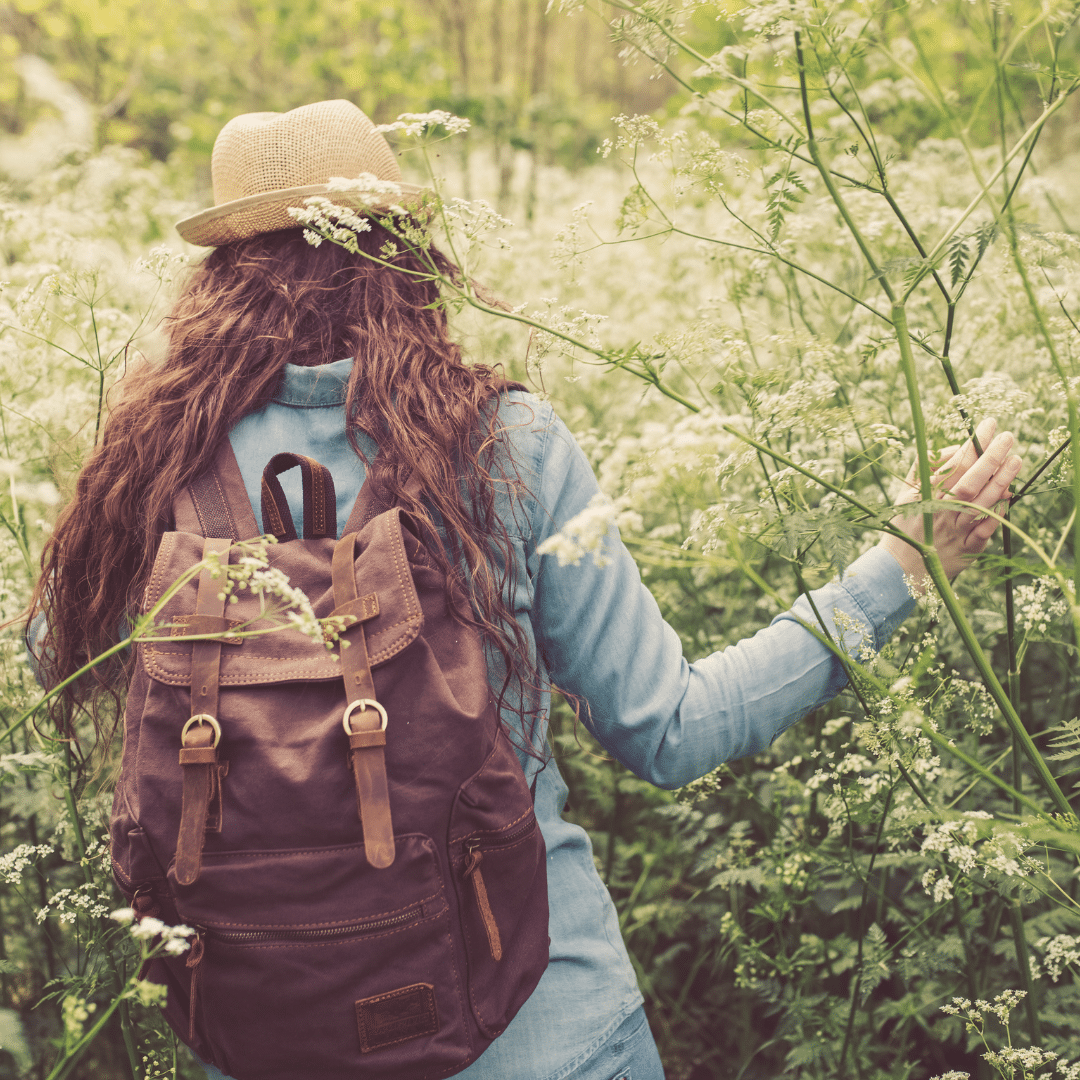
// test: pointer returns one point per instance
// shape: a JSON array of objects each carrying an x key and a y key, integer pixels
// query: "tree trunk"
[
  {"x": 537, "y": 106},
  {"x": 457, "y": 13}
]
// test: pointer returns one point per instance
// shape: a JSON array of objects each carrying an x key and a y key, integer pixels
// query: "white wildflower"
[
  {"x": 419, "y": 124},
  {"x": 15, "y": 862},
  {"x": 1059, "y": 952},
  {"x": 584, "y": 533}
]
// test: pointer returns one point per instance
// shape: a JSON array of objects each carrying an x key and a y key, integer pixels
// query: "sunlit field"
[{"x": 851, "y": 232}]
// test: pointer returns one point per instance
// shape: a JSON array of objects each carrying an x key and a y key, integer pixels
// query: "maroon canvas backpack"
[{"x": 350, "y": 833}]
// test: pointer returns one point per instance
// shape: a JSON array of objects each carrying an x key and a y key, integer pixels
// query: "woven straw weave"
[{"x": 265, "y": 162}]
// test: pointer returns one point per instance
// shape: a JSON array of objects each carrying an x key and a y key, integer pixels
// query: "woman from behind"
[{"x": 277, "y": 346}]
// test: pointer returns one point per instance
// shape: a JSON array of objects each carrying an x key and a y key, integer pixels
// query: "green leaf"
[
  {"x": 957, "y": 258},
  {"x": 1067, "y": 742}
]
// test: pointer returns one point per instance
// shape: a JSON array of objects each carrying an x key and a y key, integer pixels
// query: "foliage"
[
  {"x": 826, "y": 263},
  {"x": 164, "y": 78}
]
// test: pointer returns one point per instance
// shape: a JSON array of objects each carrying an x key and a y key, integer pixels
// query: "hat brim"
[{"x": 268, "y": 212}]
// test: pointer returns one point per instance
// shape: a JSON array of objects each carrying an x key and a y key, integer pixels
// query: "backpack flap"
[{"x": 285, "y": 654}]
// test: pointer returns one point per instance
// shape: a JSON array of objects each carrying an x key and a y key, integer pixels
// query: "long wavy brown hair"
[{"x": 246, "y": 310}]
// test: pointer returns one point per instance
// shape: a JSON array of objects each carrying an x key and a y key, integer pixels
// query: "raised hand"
[{"x": 982, "y": 480}]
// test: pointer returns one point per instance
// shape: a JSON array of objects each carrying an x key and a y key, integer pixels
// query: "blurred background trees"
[
  {"x": 149, "y": 84},
  {"x": 540, "y": 86},
  {"x": 163, "y": 78}
]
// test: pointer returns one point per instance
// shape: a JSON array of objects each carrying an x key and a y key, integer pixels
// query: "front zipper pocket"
[
  {"x": 502, "y": 892},
  {"x": 315, "y": 963},
  {"x": 474, "y": 857},
  {"x": 369, "y": 926}
]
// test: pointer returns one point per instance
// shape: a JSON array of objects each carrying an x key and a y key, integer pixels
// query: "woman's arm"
[{"x": 669, "y": 721}]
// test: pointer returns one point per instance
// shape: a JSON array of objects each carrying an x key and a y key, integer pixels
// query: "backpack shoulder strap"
[
  {"x": 368, "y": 504},
  {"x": 216, "y": 503}
]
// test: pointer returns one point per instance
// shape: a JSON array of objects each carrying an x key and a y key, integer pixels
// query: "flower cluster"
[
  {"x": 1010, "y": 1062},
  {"x": 1038, "y": 605},
  {"x": 1059, "y": 952},
  {"x": 634, "y": 131},
  {"x": 14, "y": 863},
  {"x": 420, "y": 124},
  {"x": 324, "y": 219},
  {"x": 973, "y": 842},
  {"x": 170, "y": 939},
  {"x": 87, "y": 900},
  {"x": 585, "y": 532},
  {"x": 250, "y": 570}
]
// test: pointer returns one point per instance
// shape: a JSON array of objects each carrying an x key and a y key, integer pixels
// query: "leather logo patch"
[{"x": 391, "y": 1018}]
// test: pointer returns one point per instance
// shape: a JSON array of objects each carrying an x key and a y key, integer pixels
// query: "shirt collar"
[{"x": 314, "y": 386}]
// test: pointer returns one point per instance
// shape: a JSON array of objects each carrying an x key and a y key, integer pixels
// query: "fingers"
[
  {"x": 960, "y": 462},
  {"x": 969, "y": 485},
  {"x": 941, "y": 461},
  {"x": 993, "y": 493}
]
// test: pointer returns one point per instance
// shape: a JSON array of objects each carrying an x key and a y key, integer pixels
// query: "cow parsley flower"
[
  {"x": 584, "y": 533},
  {"x": 419, "y": 124}
]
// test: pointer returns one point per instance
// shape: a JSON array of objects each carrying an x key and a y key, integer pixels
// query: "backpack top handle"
[{"x": 320, "y": 500}]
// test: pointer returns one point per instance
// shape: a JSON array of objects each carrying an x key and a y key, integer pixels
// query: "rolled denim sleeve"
[{"x": 605, "y": 641}]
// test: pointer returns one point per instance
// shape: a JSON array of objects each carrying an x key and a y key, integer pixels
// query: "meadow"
[{"x": 757, "y": 310}]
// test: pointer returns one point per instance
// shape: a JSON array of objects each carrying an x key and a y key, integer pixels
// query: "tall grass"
[{"x": 754, "y": 315}]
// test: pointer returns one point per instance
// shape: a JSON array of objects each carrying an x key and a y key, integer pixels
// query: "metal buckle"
[
  {"x": 203, "y": 718},
  {"x": 362, "y": 703}
]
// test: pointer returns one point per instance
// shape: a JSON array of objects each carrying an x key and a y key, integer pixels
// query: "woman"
[{"x": 279, "y": 346}]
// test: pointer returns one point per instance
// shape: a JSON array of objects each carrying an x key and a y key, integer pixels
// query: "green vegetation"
[{"x": 844, "y": 233}]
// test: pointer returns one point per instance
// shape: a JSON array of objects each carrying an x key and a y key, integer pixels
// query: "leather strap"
[
  {"x": 320, "y": 501},
  {"x": 491, "y": 927},
  {"x": 189, "y": 625},
  {"x": 366, "y": 720},
  {"x": 369, "y": 505},
  {"x": 194, "y": 964},
  {"x": 216, "y": 503},
  {"x": 198, "y": 751}
]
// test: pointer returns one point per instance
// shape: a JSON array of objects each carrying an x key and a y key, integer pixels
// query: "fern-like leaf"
[
  {"x": 986, "y": 235},
  {"x": 1066, "y": 742},
  {"x": 957, "y": 258}
]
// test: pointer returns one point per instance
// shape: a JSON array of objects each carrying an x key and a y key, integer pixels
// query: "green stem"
[
  {"x": 1016, "y": 916},
  {"x": 1014, "y": 667},
  {"x": 937, "y": 572},
  {"x": 1019, "y": 145},
  {"x": 907, "y": 360},
  {"x": 857, "y": 977},
  {"x": 605, "y": 355},
  {"x": 64, "y": 1066},
  {"x": 110, "y": 959},
  {"x": 952, "y": 749},
  {"x": 1073, "y": 415},
  {"x": 1001, "y": 699},
  {"x": 826, "y": 176},
  {"x": 118, "y": 647}
]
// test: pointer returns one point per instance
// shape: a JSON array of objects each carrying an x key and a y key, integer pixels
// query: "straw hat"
[{"x": 265, "y": 162}]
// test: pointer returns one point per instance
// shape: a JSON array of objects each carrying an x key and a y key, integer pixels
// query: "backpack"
[{"x": 350, "y": 833}]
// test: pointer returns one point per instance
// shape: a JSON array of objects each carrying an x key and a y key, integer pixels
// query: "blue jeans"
[{"x": 630, "y": 1054}]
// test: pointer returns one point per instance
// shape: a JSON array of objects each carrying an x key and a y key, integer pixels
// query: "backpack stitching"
[
  {"x": 154, "y": 590},
  {"x": 333, "y": 922},
  {"x": 365, "y": 937},
  {"x": 462, "y": 1003}
]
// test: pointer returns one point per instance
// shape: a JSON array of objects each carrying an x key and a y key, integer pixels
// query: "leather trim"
[
  {"x": 392, "y": 621},
  {"x": 397, "y": 1016}
]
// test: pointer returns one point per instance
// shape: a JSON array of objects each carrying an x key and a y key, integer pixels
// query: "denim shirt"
[{"x": 604, "y": 639}]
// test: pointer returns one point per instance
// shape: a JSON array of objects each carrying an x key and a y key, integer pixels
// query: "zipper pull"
[
  {"x": 472, "y": 870},
  {"x": 193, "y": 963},
  {"x": 472, "y": 864}
]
